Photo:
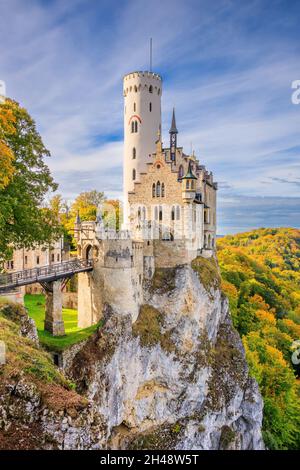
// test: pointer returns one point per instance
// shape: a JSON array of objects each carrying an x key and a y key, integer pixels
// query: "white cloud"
[{"x": 65, "y": 60}]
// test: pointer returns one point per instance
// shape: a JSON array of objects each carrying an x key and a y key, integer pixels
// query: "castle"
[{"x": 169, "y": 210}]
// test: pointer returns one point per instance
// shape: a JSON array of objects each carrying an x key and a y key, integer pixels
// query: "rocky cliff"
[{"x": 175, "y": 379}]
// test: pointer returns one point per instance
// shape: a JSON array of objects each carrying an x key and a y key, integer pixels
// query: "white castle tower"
[{"x": 142, "y": 123}]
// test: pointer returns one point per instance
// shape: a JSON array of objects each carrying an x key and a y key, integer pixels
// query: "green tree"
[{"x": 23, "y": 220}]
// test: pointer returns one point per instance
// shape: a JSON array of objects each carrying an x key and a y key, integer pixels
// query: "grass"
[{"x": 36, "y": 309}]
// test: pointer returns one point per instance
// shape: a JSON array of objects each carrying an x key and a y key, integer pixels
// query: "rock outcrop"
[{"x": 176, "y": 378}]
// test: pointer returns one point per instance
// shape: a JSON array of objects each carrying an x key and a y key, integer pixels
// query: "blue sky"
[{"x": 227, "y": 67}]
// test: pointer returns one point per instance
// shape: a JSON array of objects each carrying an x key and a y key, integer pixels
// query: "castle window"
[
  {"x": 158, "y": 189},
  {"x": 187, "y": 184},
  {"x": 133, "y": 174},
  {"x": 37, "y": 260},
  {"x": 139, "y": 213},
  {"x": 150, "y": 89},
  {"x": 52, "y": 257},
  {"x": 173, "y": 213},
  {"x": 178, "y": 213},
  {"x": 163, "y": 190},
  {"x": 135, "y": 126},
  {"x": 158, "y": 91},
  {"x": 132, "y": 127},
  {"x": 156, "y": 213},
  {"x": 57, "y": 257},
  {"x": 192, "y": 184},
  {"x": 153, "y": 190},
  {"x": 134, "y": 107},
  {"x": 135, "y": 88},
  {"x": 144, "y": 213},
  {"x": 134, "y": 153},
  {"x": 160, "y": 213},
  {"x": 180, "y": 172},
  {"x": 26, "y": 259},
  {"x": 150, "y": 107}
]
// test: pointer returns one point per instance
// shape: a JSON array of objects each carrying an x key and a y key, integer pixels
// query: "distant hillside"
[{"x": 261, "y": 277}]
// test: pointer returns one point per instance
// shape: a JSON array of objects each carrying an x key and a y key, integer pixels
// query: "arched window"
[
  {"x": 156, "y": 213},
  {"x": 134, "y": 153},
  {"x": 180, "y": 172},
  {"x": 160, "y": 213},
  {"x": 163, "y": 190},
  {"x": 173, "y": 213},
  {"x": 135, "y": 126},
  {"x": 187, "y": 184},
  {"x": 158, "y": 189},
  {"x": 134, "y": 107},
  {"x": 144, "y": 213},
  {"x": 192, "y": 184},
  {"x": 133, "y": 174},
  {"x": 153, "y": 190},
  {"x": 132, "y": 127},
  {"x": 150, "y": 107},
  {"x": 150, "y": 89},
  {"x": 178, "y": 212},
  {"x": 135, "y": 88},
  {"x": 139, "y": 213},
  {"x": 208, "y": 242}
]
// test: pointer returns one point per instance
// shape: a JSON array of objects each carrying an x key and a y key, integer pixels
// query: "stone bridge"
[{"x": 53, "y": 279}]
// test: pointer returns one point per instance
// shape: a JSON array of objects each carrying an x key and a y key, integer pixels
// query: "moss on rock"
[
  {"x": 148, "y": 327},
  {"x": 162, "y": 438},
  {"x": 227, "y": 437},
  {"x": 163, "y": 280},
  {"x": 208, "y": 272}
]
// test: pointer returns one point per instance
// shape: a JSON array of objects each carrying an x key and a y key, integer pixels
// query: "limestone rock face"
[{"x": 177, "y": 378}]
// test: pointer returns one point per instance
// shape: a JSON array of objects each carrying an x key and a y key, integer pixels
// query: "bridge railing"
[{"x": 29, "y": 276}]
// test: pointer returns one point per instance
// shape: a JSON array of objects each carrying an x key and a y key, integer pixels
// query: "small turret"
[
  {"x": 189, "y": 185},
  {"x": 173, "y": 137}
]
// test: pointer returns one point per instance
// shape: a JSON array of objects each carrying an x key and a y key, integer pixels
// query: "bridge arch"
[{"x": 88, "y": 252}]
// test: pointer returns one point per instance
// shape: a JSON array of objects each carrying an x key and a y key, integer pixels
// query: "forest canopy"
[{"x": 261, "y": 277}]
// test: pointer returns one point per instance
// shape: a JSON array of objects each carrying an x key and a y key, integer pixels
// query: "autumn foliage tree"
[
  {"x": 261, "y": 277},
  {"x": 25, "y": 179}
]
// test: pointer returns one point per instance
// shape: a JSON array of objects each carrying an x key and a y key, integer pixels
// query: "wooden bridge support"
[{"x": 53, "y": 320}]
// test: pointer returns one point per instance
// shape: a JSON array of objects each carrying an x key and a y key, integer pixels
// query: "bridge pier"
[{"x": 53, "y": 320}]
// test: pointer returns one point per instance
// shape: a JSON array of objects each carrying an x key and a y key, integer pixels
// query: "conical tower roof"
[
  {"x": 189, "y": 174},
  {"x": 173, "y": 129}
]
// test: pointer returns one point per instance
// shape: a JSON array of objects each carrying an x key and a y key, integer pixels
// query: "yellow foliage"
[
  {"x": 266, "y": 317},
  {"x": 229, "y": 289},
  {"x": 7, "y": 121}
]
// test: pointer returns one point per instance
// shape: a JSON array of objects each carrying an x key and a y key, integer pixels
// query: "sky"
[{"x": 227, "y": 67}]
